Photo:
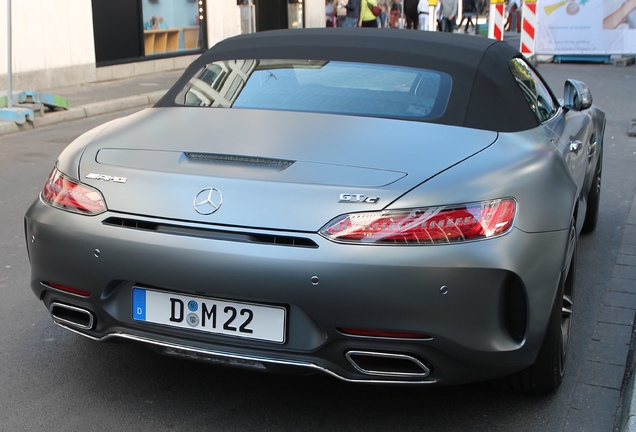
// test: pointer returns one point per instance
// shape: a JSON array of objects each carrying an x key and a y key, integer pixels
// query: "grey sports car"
[{"x": 380, "y": 206}]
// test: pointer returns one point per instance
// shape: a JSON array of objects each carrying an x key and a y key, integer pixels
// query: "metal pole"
[
  {"x": 249, "y": 5},
  {"x": 9, "y": 84}
]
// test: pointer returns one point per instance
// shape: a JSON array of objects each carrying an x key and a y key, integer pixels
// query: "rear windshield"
[{"x": 320, "y": 86}]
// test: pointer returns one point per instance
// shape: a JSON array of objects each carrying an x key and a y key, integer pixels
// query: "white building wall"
[
  {"x": 53, "y": 45},
  {"x": 314, "y": 13},
  {"x": 223, "y": 20}
]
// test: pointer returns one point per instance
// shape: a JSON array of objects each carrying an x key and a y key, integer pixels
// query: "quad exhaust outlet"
[
  {"x": 387, "y": 364},
  {"x": 72, "y": 316}
]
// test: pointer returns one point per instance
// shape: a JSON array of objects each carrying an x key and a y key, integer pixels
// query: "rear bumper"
[
  {"x": 480, "y": 308},
  {"x": 407, "y": 369}
]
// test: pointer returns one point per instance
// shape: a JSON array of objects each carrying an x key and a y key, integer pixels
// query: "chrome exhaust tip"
[
  {"x": 72, "y": 316},
  {"x": 387, "y": 364}
]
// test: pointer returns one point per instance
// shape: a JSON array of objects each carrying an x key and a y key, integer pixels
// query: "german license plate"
[{"x": 244, "y": 320}]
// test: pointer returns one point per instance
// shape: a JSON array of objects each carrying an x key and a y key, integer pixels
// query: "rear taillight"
[
  {"x": 425, "y": 226},
  {"x": 68, "y": 194}
]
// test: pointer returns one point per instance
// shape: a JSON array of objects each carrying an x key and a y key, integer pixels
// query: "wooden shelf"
[
  {"x": 161, "y": 40},
  {"x": 191, "y": 37}
]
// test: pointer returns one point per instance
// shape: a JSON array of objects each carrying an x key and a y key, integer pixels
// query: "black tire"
[{"x": 593, "y": 199}]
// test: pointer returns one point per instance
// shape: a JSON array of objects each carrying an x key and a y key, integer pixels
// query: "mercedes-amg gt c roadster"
[{"x": 380, "y": 206}]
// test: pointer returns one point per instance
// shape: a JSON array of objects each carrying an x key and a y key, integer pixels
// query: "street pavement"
[{"x": 619, "y": 310}]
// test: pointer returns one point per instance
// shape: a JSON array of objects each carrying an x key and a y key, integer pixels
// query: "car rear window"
[{"x": 320, "y": 86}]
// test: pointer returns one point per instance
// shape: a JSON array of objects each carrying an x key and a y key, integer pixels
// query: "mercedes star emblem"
[{"x": 207, "y": 201}]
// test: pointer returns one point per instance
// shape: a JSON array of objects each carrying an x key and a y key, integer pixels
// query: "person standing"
[
  {"x": 410, "y": 13},
  {"x": 513, "y": 15},
  {"x": 385, "y": 6},
  {"x": 329, "y": 14},
  {"x": 352, "y": 14},
  {"x": 367, "y": 19},
  {"x": 449, "y": 14},
  {"x": 422, "y": 8},
  {"x": 395, "y": 14},
  {"x": 469, "y": 12}
]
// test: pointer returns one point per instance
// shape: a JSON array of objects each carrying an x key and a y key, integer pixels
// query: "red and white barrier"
[
  {"x": 496, "y": 20},
  {"x": 528, "y": 27}
]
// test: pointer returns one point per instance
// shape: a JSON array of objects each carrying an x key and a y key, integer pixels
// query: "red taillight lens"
[
  {"x": 425, "y": 226},
  {"x": 67, "y": 289},
  {"x": 65, "y": 193}
]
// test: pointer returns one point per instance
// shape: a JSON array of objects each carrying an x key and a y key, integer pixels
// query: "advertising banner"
[{"x": 587, "y": 27}]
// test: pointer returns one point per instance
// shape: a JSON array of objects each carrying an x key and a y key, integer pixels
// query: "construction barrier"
[
  {"x": 528, "y": 28},
  {"x": 496, "y": 20}
]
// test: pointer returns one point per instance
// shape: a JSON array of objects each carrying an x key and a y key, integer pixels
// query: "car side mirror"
[{"x": 577, "y": 95}]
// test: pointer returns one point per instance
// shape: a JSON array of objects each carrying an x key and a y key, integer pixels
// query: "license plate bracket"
[{"x": 210, "y": 315}]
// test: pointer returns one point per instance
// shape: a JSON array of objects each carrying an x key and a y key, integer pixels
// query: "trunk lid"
[{"x": 274, "y": 169}]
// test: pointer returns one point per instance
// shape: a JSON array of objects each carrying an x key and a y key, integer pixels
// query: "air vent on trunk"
[{"x": 278, "y": 164}]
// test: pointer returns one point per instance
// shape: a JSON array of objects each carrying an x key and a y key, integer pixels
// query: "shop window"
[
  {"x": 247, "y": 13},
  {"x": 295, "y": 14},
  {"x": 261, "y": 15},
  {"x": 172, "y": 25}
]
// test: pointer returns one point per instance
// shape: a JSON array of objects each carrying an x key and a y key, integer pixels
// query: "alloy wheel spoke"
[
  {"x": 566, "y": 308},
  {"x": 566, "y": 322}
]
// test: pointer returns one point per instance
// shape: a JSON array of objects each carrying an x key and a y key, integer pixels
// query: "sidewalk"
[{"x": 92, "y": 99}]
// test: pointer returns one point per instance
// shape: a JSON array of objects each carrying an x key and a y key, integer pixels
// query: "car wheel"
[
  {"x": 546, "y": 374},
  {"x": 593, "y": 199}
]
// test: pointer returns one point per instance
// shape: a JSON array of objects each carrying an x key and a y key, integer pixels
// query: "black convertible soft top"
[{"x": 484, "y": 93}]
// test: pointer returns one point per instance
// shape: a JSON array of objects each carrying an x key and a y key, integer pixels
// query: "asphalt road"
[{"x": 53, "y": 380}]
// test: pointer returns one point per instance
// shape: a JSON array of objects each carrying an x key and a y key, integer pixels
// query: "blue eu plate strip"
[{"x": 139, "y": 304}]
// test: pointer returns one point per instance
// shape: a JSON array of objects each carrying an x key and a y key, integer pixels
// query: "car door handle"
[{"x": 575, "y": 146}]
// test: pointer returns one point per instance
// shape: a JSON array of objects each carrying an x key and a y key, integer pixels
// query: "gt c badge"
[
  {"x": 106, "y": 178},
  {"x": 358, "y": 199},
  {"x": 207, "y": 201}
]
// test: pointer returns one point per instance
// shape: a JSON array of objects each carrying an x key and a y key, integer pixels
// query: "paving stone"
[
  {"x": 597, "y": 399},
  {"x": 627, "y": 249},
  {"x": 588, "y": 421},
  {"x": 629, "y": 234},
  {"x": 624, "y": 271},
  {"x": 619, "y": 299},
  {"x": 608, "y": 352},
  {"x": 602, "y": 375},
  {"x": 622, "y": 285},
  {"x": 609, "y": 332},
  {"x": 625, "y": 259},
  {"x": 616, "y": 315}
]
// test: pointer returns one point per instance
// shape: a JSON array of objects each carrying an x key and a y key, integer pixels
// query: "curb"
[
  {"x": 626, "y": 419},
  {"x": 627, "y": 414},
  {"x": 89, "y": 110},
  {"x": 630, "y": 425}
]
